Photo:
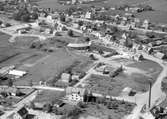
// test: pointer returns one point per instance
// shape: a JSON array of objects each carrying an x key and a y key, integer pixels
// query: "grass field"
[
  {"x": 48, "y": 96},
  {"x": 102, "y": 112},
  {"x": 158, "y": 4},
  {"x": 134, "y": 76},
  {"x": 50, "y": 66},
  {"x": 154, "y": 16},
  {"x": 4, "y": 39}
]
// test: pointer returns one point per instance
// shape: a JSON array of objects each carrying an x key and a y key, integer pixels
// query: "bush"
[
  {"x": 47, "y": 108},
  {"x": 82, "y": 105},
  {"x": 22, "y": 15},
  {"x": 70, "y": 33},
  {"x": 62, "y": 18}
]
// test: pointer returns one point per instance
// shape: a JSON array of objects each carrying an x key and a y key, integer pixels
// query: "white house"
[
  {"x": 146, "y": 24},
  {"x": 17, "y": 73},
  {"x": 88, "y": 15},
  {"x": 75, "y": 94},
  {"x": 79, "y": 46},
  {"x": 65, "y": 77}
]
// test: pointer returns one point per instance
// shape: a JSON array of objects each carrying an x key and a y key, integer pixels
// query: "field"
[
  {"x": 154, "y": 16},
  {"x": 158, "y": 4},
  {"x": 43, "y": 61},
  {"x": 4, "y": 39},
  {"x": 137, "y": 73},
  {"x": 113, "y": 110},
  {"x": 48, "y": 96}
]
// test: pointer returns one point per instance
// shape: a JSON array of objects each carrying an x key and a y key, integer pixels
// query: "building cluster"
[{"x": 9, "y": 72}]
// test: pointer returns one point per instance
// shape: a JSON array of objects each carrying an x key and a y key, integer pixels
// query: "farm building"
[
  {"x": 65, "y": 77},
  {"x": 75, "y": 94},
  {"x": 78, "y": 46}
]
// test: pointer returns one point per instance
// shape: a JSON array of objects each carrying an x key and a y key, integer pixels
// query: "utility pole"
[{"x": 150, "y": 87}]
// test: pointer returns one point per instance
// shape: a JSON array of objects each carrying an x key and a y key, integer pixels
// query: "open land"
[{"x": 135, "y": 76}]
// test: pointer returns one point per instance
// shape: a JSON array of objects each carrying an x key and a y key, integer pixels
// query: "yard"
[
  {"x": 50, "y": 66},
  {"x": 110, "y": 109},
  {"x": 48, "y": 96},
  {"x": 135, "y": 75}
]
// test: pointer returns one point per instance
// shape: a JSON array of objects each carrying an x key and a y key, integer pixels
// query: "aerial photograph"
[{"x": 83, "y": 59}]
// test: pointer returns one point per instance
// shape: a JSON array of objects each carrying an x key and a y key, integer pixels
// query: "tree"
[
  {"x": 150, "y": 34},
  {"x": 25, "y": 18},
  {"x": 114, "y": 29},
  {"x": 62, "y": 18},
  {"x": 30, "y": 82},
  {"x": 47, "y": 107},
  {"x": 10, "y": 82},
  {"x": 80, "y": 23},
  {"x": 34, "y": 16},
  {"x": 147, "y": 8},
  {"x": 32, "y": 105},
  {"x": 81, "y": 105},
  {"x": 101, "y": 52},
  {"x": 22, "y": 14},
  {"x": 74, "y": 112},
  {"x": 70, "y": 33},
  {"x": 87, "y": 39},
  {"x": 19, "y": 93},
  {"x": 1, "y": 22},
  {"x": 128, "y": 43}
]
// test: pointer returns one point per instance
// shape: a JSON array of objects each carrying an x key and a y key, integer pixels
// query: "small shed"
[
  {"x": 65, "y": 77},
  {"x": 58, "y": 103},
  {"x": 126, "y": 91}
]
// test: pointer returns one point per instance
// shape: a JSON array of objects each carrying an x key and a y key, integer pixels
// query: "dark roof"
[
  {"x": 23, "y": 111},
  {"x": 59, "y": 102}
]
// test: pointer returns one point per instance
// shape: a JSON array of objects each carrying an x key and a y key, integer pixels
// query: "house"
[
  {"x": 17, "y": 73},
  {"x": 88, "y": 15},
  {"x": 58, "y": 103},
  {"x": 79, "y": 46},
  {"x": 146, "y": 24},
  {"x": 75, "y": 94},
  {"x": 160, "y": 55},
  {"x": 20, "y": 113},
  {"x": 138, "y": 57},
  {"x": 75, "y": 77},
  {"x": 124, "y": 36},
  {"x": 5, "y": 70},
  {"x": 136, "y": 46},
  {"x": 65, "y": 77},
  {"x": 126, "y": 91},
  {"x": 11, "y": 90},
  {"x": 147, "y": 49}
]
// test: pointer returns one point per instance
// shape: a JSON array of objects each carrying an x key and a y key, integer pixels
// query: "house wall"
[{"x": 75, "y": 97}]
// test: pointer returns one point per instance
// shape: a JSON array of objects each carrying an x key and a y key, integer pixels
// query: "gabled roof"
[
  {"x": 71, "y": 90},
  {"x": 22, "y": 112}
]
